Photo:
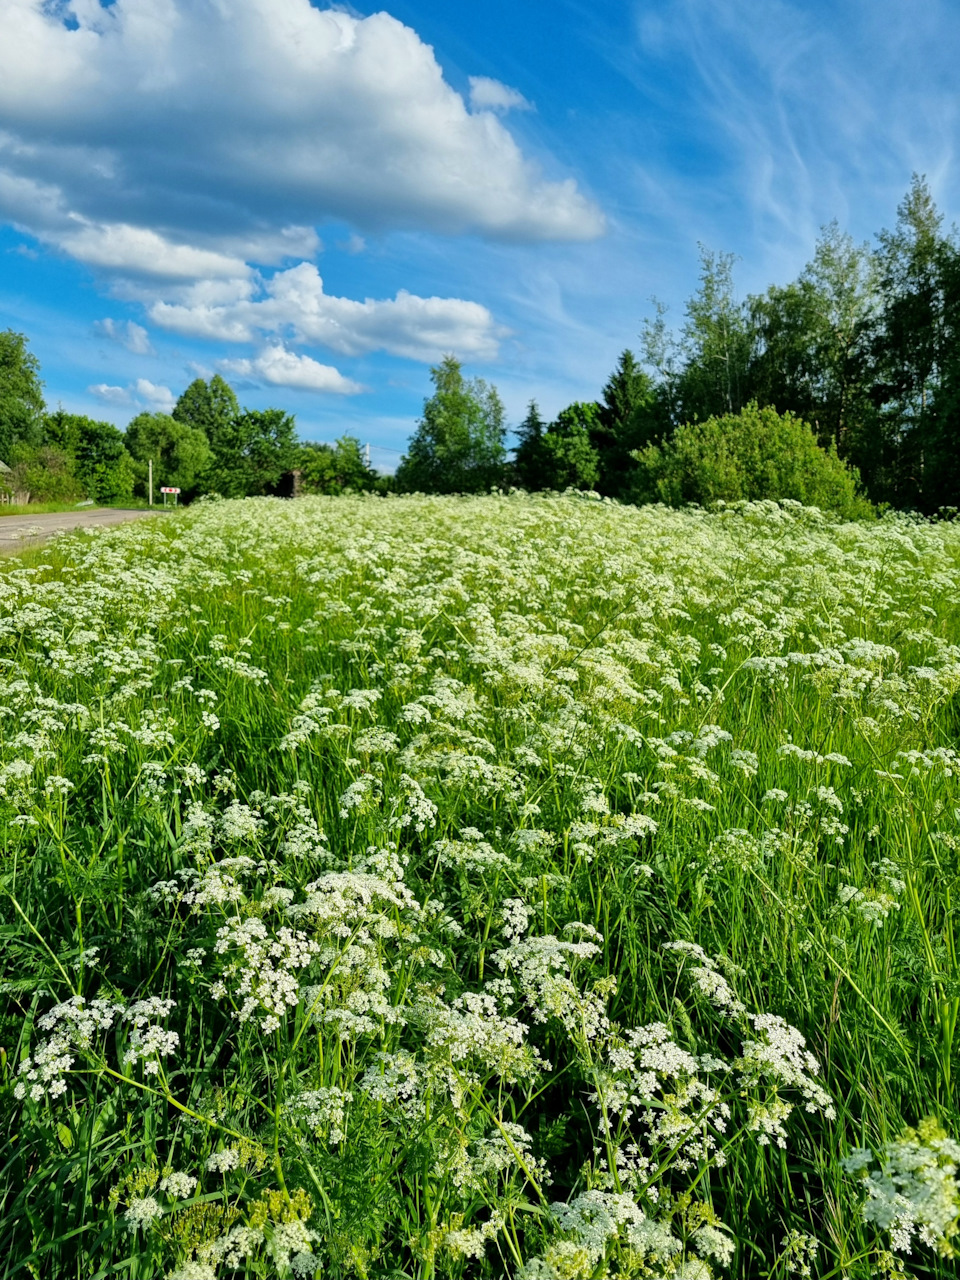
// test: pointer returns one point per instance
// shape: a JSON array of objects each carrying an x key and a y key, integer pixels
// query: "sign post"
[{"x": 165, "y": 489}]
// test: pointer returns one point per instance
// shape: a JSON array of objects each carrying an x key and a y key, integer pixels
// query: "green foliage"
[
  {"x": 250, "y": 450},
  {"x": 264, "y": 450},
  {"x": 562, "y": 455},
  {"x": 916, "y": 354},
  {"x": 717, "y": 343},
  {"x": 98, "y": 454},
  {"x": 458, "y": 446},
  {"x": 62, "y": 430},
  {"x": 753, "y": 455},
  {"x": 209, "y": 407},
  {"x": 333, "y": 469},
  {"x": 863, "y": 345},
  {"x": 103, "y": 466},
  {"x": 813, "y": 342},
  {"x": 21, "y": 394},
  {"x": 628, "y": 420},
  {"x": 45, "y": 472},
  {"x": 180, "y": 452},
  {"x": 570, "y": 459},
  {"x": 490, "y": 887},
  {"x": 528, "y": 461}
]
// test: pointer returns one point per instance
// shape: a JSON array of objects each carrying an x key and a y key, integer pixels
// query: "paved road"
[{"x": 17, "y": 532}]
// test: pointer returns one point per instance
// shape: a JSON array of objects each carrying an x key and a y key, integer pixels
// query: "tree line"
[
  {"x": 844, "y": 382},
  {"x": 840, "y": 389},
  {"x": 206, "y": 444}
]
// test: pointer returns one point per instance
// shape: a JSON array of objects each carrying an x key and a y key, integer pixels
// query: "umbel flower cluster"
[{"x": 503, "y": 887}]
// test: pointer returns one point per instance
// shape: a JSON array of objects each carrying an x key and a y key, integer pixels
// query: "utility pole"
[
  {"x": 150, "y": 481},
  {"x": 366, "y": 454}
]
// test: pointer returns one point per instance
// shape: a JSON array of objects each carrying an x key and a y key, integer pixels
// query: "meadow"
[{"x": 481, "y": 887}]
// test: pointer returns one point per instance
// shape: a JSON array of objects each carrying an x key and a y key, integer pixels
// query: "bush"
[
  {"x": 334, "y": 469},
  {"x": 752, "y": 455},
  {"x": 45, "y": 473}
]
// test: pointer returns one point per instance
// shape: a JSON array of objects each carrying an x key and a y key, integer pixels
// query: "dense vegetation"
[
  {"x": 864, "y": 347},
  {"x": 755, "y": 454},
  {"x": 207, "y": 445},
  {"x": 481, "y": 887}
]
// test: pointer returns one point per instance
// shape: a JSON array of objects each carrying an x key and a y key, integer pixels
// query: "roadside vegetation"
[
  {"x": 207, "y": 445},
  {"x": 526, "y": 886}
]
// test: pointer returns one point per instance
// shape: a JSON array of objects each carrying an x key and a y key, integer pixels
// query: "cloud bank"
[
  {"x": 186, "y": 150},
  {"x": 127, "y": 143},
  {"x": 292, "y": 305}
]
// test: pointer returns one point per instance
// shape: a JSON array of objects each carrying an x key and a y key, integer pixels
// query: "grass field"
[{"x": 478, "y": 888}]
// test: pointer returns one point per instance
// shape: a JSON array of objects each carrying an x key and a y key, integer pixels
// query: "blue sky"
[{"x": 319, "y": 201}]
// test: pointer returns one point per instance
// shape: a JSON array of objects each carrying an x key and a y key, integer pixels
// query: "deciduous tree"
[
  {"x": 180, "y": 452},
  {"x": 458, "y": 446},
  {"x": 337, "y": 468},
  {"x": 21, "y": 394}
]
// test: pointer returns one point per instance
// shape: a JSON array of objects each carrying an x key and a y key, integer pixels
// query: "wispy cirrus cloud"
[{"x": 758, "y": 121}]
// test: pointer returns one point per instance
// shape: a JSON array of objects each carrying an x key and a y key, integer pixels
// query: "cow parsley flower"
[
  {"x": 142, "y": 1212},
  {"x": 915, "y": 1191}
]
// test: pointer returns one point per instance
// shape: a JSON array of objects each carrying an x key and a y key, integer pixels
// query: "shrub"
[
  {"x": 45, "y": 473},
  {"x": 334, "y": 469},
  {"x": 751, "y": 455}
]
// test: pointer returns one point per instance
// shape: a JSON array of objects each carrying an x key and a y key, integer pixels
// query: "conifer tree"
[{"x": 528, "y": 459}]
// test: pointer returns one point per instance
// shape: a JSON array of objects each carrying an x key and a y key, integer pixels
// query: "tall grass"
[{"x": 480, "y": 887}]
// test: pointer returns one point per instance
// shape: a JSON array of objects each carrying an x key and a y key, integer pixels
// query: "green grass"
[
  {"x": 35, "y": 508},
  {"x": 399, "y": 802},
  {"x": 49, "y": 508}
]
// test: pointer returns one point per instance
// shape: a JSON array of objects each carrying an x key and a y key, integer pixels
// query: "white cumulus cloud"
[
  {"x": 111, "y": 395},
  {"x": 282, "y": 368},
  {"x": 157, "y": 397},
  {"x": 491, "y": 95},
  {"x": 144, "y": 252},
  {"x": 139, "y": 394},
  {"x": 293, "y": 305},
  {"x": 144, "y": 134}
]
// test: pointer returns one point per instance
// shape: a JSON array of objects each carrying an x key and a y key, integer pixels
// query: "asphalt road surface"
[{"x": 17, "y": 532}]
